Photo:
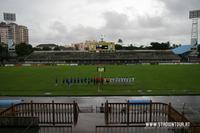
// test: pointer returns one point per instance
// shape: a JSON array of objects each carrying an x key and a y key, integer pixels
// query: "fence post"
[
  {"x": 106, "y": 112},
  {"x": 53, "y": 111},
  {"x": 12, "y": 111},
  {"x": 31, "y": 108},
  {"x": 127, "y": 113},
  {"x": 96, "y": 129},
  {"x": 150, "y": 112},
  {"x": 169, "y": 112},
  {"x": 75, "y": 112}
]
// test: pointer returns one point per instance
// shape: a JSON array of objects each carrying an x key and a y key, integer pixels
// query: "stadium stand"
[
  {"x": 182, "y": 49},
  {"x": 119, "y": 57},
  {"x": 187, "y": 54}
]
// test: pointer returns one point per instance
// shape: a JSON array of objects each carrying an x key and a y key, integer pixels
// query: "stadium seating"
[{"x": 118, "y": 57}]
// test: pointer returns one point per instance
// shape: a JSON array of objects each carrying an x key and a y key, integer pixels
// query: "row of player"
[{"x": 96, "y": 80}]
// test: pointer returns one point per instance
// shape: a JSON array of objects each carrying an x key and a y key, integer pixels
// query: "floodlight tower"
[
  {"x": 9, "y": 17},
  {"x": 194, "y": 15}
]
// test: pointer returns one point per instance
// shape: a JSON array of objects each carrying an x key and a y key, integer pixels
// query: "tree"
[
  {"x": 118, "y": 47},
  {"x": 36, "y": 49},
  {"x": 198, "y": 49},
  {"x": 57, "y": 48},
  {"x": 120, "y": 41},
  {"x": 3, "y": 53},
  {"x": 23, "y": 49},
  {"x": 175, "y": 46},
  {"x": 142, "y": 47},
  {"x": 160, "y": 46},
  {"x": 131, "y": 47},
  {"x": 46, "y": 49}
]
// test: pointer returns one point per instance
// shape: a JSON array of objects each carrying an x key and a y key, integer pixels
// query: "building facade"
[
  {"x": 79, "y": 46},
  {"x": 102, "y": 46},
  {"x": 17, "y": 33},
  {"x": 4, "y": 33},
  {"x": 23, "y": 34}
]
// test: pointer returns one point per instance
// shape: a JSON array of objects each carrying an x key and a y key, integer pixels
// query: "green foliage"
[
  {"x": 154, "y": 46},
  {"x": 118, "y": 47},
  {"x": 120, "y": 41},
  {"x": 161, "y": 79},
  {"x": 198, "y": 49},
  {"x": 3, "y": 51},
  {"x": 57, "y": 48},
  {"x": 131, "y": 47},
  {"x": 159, "y": 46},
  {"x": 46, "y": 48},
  {"x": 23, "y": 49},
  {"x": 36, "y": 49}
]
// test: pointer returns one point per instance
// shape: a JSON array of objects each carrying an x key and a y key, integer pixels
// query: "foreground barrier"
[
  {"x": 57, "y": 129},
  {"x": 47, "y": 113},
  {"x": 129, "y": 113},
  {"x": 19, "y": 121},
  {"x": 136, "y": 116}
]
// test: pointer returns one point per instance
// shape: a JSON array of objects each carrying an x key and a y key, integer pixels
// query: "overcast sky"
[{"x": 134, "y": 21}]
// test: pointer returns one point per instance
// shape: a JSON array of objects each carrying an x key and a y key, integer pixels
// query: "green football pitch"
[{"x": 149, "y": 80}]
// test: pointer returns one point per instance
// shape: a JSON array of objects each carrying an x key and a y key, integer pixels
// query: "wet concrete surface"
[{"x": 87, "y": 121}]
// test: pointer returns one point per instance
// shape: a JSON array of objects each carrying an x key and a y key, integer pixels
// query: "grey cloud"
[
  {"x": 58, "y": 27},
  {"x": 116, "y": 20},
  {"x": 46, "y": 27},
  {"x": 151, "y": 22},
  {"x": 58, "y": 31},
  {"x": 181, "y": 8},
  {"x": 143, "y": 29},
  {"x": 117, "y": 25},
  {"x": 98, "y": 1}
]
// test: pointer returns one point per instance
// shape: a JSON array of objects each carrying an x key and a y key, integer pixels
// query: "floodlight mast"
[
  {"x": 194, "y": 33},
  {"x": 194, "y": 15},
  {"x": 9, "y": 17}
]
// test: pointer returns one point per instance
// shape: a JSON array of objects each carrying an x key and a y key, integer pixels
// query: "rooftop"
[{"x": 182, "y": 49}]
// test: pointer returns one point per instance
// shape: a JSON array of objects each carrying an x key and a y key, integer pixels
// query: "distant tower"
[
  {"x": 194, "y": 15},
  {"x": 10, "y": 18},
  {"x": 102, "y": 37}
]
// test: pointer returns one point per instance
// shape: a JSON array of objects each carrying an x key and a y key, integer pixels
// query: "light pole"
[{"x": 100, "y": 70}]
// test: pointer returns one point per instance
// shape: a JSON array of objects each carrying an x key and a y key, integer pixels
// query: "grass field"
[{"x": 149, "y": 80}]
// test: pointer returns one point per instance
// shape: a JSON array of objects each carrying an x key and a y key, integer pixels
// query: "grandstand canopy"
[{"x": 182, "y": 49}]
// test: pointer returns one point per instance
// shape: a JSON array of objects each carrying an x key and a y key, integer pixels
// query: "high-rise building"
[
  {"x": 23, "y": 34},
  {"x": 12, "y": 31},
  {"x": 4, "y": 33},
  {"x": 19, "y": 33}
]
